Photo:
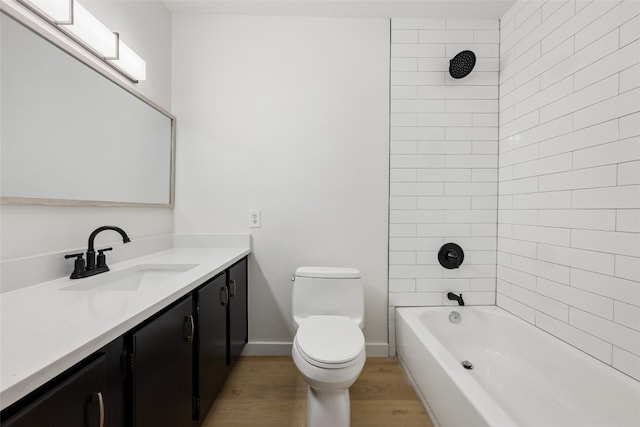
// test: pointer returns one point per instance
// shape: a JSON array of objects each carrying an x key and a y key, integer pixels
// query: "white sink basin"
[{"x": 130, "y": 279}]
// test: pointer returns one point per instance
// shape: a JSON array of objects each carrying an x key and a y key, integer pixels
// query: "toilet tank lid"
[{"x": 328, "y": 272}]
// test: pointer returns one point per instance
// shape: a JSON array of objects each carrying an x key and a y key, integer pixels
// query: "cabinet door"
[
  {"x": 77, "y": 401},
  {"x": 212, "y": 300},
  {"x": 162, "y": 369},
  {"x": 238, "y": 332}
]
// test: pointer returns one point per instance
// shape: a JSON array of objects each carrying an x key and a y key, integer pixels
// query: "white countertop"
[{"x": 46, "y": 329}]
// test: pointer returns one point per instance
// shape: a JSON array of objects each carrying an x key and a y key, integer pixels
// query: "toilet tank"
[{"x": 333, "y": 291}]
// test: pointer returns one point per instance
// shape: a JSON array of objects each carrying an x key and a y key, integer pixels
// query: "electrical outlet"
[{"x": 254, "y": 218}]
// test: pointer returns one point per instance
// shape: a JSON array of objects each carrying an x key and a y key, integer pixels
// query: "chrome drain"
[
  {"x": 454, "y": 317},
  {"x": 467, "y": 365}
]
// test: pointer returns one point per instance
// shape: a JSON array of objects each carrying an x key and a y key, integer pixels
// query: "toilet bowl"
[{"x": 329, "y": 346}]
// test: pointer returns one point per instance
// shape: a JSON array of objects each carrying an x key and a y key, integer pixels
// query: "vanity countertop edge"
[{"x": 46, "y": 329}]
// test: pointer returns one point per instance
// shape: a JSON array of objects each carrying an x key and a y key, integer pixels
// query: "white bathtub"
[{"x": 521, "y": 375}]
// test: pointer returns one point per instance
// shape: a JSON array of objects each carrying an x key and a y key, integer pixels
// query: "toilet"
[{"x": 328, "y": 349}]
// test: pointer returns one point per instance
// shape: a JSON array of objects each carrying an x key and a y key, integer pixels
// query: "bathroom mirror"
[{"x": 71, "y": 136}]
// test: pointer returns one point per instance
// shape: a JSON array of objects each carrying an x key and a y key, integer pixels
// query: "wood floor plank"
[{"x": 269, "y": 392}]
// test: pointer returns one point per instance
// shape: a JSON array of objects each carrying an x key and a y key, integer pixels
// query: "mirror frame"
[{"x": 32, "y": 23}]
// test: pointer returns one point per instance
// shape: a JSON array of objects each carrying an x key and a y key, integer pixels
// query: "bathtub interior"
[{"x": 534, "y": 377}]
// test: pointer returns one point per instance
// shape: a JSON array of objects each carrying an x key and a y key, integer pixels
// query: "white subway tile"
[
  {"x": 481, "y": 50},
  {"x": 521, "y": 64},
  {"x": 550, "y": 235},
  {"x": 469, "y": 271},
  {"x": 433, "y": 64},
  {"x": 444, "y": 175},
  {"x": 583, "y": 138},
  {"x": 630, "y": 31},
  {"x": 446, "y": 36},
  {"x": 416, "y": 189},
  {"x": 546, "y": 165},
  {"x": 607, "y": 22},
  {"x": 519, "y": 155},
  {"x": 486, "y": 284},
  {"x": 470, "y": 161},
  {"x": 485, "y": 147},
  {"x": 520, "y": 216},
  {"x": 435, "y": 230},
  {"x": 486, "y": 119},
  {"x": 516, "y": 308},
  {"x": 614, "y": 152},
  {"x": 417, "y": 106},
  {"x": 448, "y": 202},
  {"x": 520, "y": 94},
  {"x": 551, "y": 200},
  {"x": 557, "y": 20},
  {"x": 404, "y": 36},
  {"x": 484, "y": 230},
  {"x": 427, "y": 257},
  {"x": 418, "y": 24},
  {"x": 584, "y": 259},
  {"x": 607, "y": 241},
  {"x": 444, "y": 147},
  {"x": 402, "y": 175},
  {"x": 550, "y": 7},
  {"x": 585, "y": 97},
  {"x": 475, "y": 133},
  {"x": 584, "y": 341},
  {"x": 477, "y": 243},
  {"x": 403, "y": 119},
  {"x": 477, "y": 78},
  {"x": 473, "y": 216},
  {"x": 628, "y": 267},
  {"x": 577, "y": 22},
  {"x": 416, "y": 216},
  {"x": 628, "y": 220},
  {"x": 520, "y": 125},
  {"x": 404, "y": 64},
  {"x": 486, "y": 36},
  {"x": 470, "y": 189},
  {"x": 548, "y": 270},
  {"x": 573, "y": 63},
  {"x": 417, "y": 50},
  {"x": 485, "y": 92},
  {"x": 551, "y": 59},
  {"x": 617, "y": 106},
  {"x": 445, "y": 119},
  {"x": 404, "y": 92},
  {"x": 518, "y": 186},
  {"x": 402, "y": 230},
  {"x": 626, "y": 362},
  {"x": 416, "y": 161},
  {"x": 620, "y": 336},
  {"x": 414, "y": 271},
  {"x": 403, "y": 147},
  {"x": 518, "y": 247},
  {"x": 414, "y": 244},
  {"x": 445, "y": 92},
  {"x": 442, "y": 285},
  {"x": 609, "y": 65},
  {"x": 604, "y": 176},
  {"x": 541, "y": 303},
  {"x": 606, "y": 285},
  {"x": 417, "y": 133},
  {"x": 402, "y": 285},
  {"x": 505, "y": 173},
  {"x": 545, "y": 97},
  {"x": 607, "y": 198},
  {"x": 483, "y": 175},
  {"x": 630, "y": 78},
  {"x": 627, "y": 315},
  {"x": 472, "y": 106},
  {"x": 409, "y": 299},
  {"x": 595, "y": 219},
  {"x": 484, "y": 202},
  {"x": 545, "y": 131},
  {"x": 402, "y": 202},
  {"x": 476, "y": 24},
  {"x": 587, "y": 301},
  {"x": 404, "y": 257},
  {"x": 630, "y": 125}
]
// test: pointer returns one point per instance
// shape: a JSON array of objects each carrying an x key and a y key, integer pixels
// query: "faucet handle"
[
  {"x": 102, "y": 259},
  {"x": 78, "y": 267}
]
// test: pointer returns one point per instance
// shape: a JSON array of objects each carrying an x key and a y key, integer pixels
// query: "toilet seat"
[{"x": 330, "y": 342}]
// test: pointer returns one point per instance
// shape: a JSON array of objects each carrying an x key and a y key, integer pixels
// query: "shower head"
[{"x": 462, "y": 64}]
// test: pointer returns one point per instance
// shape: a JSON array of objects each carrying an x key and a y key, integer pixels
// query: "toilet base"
[{"x": 328, "y": 408}]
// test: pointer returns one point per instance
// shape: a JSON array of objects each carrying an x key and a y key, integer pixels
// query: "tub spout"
[{"x": 453, "y": 297}]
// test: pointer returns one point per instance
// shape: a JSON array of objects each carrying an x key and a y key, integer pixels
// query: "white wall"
[
  {"x": 34, "y": 230},
  {"x": 289, "y": 116},
  {"x": 569, "y": 204},
  {"x": 444, "y": 152}
]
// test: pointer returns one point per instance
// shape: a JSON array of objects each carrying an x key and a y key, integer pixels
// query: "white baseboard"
[{"x": 278, "y": 348}]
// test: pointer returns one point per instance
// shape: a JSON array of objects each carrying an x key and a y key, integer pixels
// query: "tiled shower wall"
[
  {"x": 569, "y": 191},
  {"x": 444, "y": 153}
]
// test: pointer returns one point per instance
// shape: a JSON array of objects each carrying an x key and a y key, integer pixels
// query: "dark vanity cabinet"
[
  {"x": 166, "y": 371},
  {"x": 160, "y": 362},
  {"x": 88, "y": 395}
]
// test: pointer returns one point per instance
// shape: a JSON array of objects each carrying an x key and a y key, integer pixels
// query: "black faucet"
[
  {"x": 92, "y": 268},
  {"x": 454, "y": 297}
]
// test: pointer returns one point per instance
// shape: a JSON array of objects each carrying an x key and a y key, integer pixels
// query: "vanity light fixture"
[{"x": 72, "y": 19}]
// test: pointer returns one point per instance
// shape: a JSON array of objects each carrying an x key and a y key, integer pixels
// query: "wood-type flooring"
[{"x": 269, "y": 392}]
